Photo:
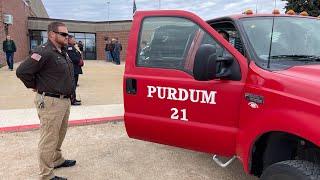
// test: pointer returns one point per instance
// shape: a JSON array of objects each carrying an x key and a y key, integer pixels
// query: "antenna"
[{"x": 270, "y": 47}]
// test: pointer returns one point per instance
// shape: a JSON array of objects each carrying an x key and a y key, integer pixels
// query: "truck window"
[
  {"x": 295, "y": 40},
  {"x": 234, "y": 36},
  {"x": 171, "y": 43}
]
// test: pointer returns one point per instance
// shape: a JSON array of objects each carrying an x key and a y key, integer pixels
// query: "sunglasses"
[{"x": 62, "y": 33}]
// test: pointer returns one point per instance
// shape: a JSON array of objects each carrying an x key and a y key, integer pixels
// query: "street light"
[
  {"x": 108, "y": 5},
  {"x": 108, "y": 12}
]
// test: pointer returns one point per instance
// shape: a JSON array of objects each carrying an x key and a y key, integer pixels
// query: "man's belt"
[{"x": 54, "y": 95}]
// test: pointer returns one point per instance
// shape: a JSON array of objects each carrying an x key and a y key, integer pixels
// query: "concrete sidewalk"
[{"x": 100, "y": 91}]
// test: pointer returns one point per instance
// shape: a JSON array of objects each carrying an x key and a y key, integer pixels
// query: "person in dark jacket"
[
  {"x": 108, "y": 50},
  {"x": 80, "y": 45},
  {"x": 111, "y": 49},
  {"x": 116, "y": 51},
  {"x": 9, "y": 48},
  {"x": 75, "y": 56}
]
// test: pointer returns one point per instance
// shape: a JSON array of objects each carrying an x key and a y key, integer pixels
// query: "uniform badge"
[
  {"x": 36, "y": 56},
  {"x": 70, "y": 48}
]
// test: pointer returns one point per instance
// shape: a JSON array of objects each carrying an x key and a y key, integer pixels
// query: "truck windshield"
[{"x": 295, "y": 40}]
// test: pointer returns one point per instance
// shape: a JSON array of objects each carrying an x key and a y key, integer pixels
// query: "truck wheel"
[{"x": 292, "y": 170}]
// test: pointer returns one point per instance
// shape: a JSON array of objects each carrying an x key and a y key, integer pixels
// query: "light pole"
[
  {"x": 108, "y": 13},
  {"x": 159, "y": 4},
  {"x": 257, "y": 6}
]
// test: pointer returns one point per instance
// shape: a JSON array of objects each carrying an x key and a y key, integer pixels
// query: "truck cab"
[{"x": 252, "y": 96}]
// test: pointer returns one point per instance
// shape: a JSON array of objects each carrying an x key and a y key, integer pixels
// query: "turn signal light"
[
  {"x": 291, "y": 12},
  {"x": 276, "y": 11},
  {"x": 304, "y": 13},
  {"x": 248, "y": 12}
]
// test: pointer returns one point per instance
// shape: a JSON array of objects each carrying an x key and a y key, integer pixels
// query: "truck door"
[{"x": 162, "y": 100}]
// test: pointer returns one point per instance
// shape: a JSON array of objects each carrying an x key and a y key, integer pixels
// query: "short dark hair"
[
  {"x": 225, "y": 33},
  {"x": 54, "y": 26}
]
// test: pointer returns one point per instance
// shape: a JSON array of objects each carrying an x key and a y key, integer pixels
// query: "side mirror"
[
  {"x": 207, "y": 66},
  {"x": 204, "y": 68}
]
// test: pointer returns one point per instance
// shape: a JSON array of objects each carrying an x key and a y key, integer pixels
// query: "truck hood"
[
  {"x": 307, "y": 72},
  {"x": 302, "y": 82}
]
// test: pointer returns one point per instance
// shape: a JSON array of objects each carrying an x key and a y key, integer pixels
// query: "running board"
[{"x": 220, "y": 163}]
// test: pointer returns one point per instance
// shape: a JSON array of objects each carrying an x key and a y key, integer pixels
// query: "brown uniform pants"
[{"x": 53, "y": 127}]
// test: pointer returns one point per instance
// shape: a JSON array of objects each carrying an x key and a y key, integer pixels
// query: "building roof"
[
  {"x": 35, "y": 23},
  {"x": 38, "y": 8}
]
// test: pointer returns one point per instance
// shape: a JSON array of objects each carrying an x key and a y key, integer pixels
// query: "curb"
[{"x": 80, "y": 122}]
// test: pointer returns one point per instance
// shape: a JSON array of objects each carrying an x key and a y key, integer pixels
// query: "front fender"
[{"x": 304, "y": 124}]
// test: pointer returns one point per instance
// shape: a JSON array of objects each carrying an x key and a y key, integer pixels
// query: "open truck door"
[{"x": 163, "y": 101}]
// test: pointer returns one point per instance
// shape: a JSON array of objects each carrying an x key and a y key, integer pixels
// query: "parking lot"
[{"x": 103, "y": 151}]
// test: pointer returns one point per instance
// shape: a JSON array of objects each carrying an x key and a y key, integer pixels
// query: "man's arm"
[
  {"x": 75, "y": 57},
  {"x": 14, "y": 46},
  {"x": 28, "y": 69}
]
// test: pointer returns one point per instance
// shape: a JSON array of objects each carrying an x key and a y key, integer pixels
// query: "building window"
[
  {"x": 89, "y": 44},
  {"x": 88, "y": 39}
]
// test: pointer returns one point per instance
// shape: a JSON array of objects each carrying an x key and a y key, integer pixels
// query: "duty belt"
[{"x": 54, "y": 95}]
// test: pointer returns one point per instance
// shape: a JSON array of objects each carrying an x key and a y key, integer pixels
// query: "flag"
[{"x": 134, "y": 7}]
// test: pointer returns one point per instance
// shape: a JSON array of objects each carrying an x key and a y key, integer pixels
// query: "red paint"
[
  {"x": 231, "y": 127},
  {"x": 71, "y": 123}
]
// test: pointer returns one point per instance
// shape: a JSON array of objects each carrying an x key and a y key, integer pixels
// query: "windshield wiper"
[{"x": 297, "y": 57}]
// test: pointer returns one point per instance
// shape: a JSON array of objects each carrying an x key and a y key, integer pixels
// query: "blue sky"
[{"x": 96, "y": 10}]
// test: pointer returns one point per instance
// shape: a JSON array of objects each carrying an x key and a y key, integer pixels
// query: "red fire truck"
[{"x": 251, "y": 94}]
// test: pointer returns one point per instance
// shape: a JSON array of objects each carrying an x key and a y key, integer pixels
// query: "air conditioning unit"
[{"x": 8, "y": 19}]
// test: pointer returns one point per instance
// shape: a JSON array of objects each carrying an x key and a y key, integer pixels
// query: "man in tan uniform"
[{"x": 49, "y": 71}]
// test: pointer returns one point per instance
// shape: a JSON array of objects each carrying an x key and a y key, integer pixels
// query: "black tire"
[{"x": 292, "y": 170}]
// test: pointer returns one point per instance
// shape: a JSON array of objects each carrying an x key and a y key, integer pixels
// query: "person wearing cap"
[
  {"x": 49, "y": 72},
  {"x": 75, "y": 56}
]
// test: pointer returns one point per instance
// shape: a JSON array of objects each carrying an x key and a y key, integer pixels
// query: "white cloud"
[{"x": 96, "y": 10}]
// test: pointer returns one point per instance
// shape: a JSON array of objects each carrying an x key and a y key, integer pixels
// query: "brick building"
[{"x": 30, "y": 21}]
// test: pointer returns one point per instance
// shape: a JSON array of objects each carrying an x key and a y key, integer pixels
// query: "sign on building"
[{"x": 8, "y": 19}]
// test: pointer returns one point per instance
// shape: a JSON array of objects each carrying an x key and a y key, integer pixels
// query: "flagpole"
[{"x": 134, "y": 8}]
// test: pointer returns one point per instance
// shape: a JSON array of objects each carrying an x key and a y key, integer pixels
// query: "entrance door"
[{"x": 163, "y": 102}]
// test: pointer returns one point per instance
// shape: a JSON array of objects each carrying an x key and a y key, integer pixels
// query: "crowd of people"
[{"x": 113, "y": 48}]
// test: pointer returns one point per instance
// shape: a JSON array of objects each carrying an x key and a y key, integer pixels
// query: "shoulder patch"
[
  {"x": 70, "y": 48},
  {"x": 36, "y": 56}
]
